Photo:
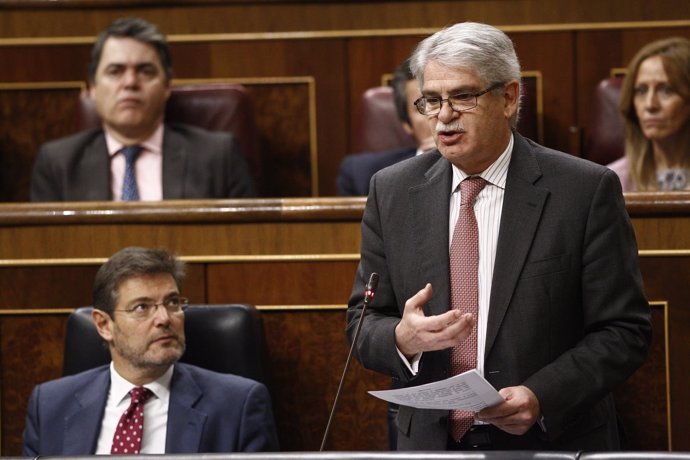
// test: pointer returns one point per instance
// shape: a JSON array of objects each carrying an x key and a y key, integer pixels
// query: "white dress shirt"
[
  {"x": 155, "y": 413},
  {"x": 487, "y": 208}
]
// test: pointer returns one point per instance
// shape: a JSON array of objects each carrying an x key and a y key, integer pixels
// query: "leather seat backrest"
[
  {"x": 605, "y": 135},
  {"x": 221, "y": 338}
]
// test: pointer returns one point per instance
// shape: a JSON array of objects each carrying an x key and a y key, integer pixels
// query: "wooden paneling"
[
  {"x": 46, "y": 286},
  {"x": 31, "y": 351},
  {"x": 307, "y": 352},
  {"x": 73, "y": 17},
  {"x": 660, "y": 272},
  {"x": 282, "y": 283},
  {"x": 285, "y": 138},
  {"x": 29, "y": 117},
  {"x": 551, "y": 54},
  {"x": 649, "y": 424}
]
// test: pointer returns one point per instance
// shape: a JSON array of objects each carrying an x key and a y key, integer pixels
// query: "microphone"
[{"x": 369, "y": 292}]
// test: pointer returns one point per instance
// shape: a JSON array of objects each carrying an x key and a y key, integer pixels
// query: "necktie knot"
[
  {"x": 140, "y": 395},
  {"x": 131, "y": 153},
  {"x": 470, "y": 188}
]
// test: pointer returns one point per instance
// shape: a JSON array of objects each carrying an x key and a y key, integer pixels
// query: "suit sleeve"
[
  {"x": 375, "y": 347},
  {"x": 258, "y": 431},
  {"x": 346, "y": 180},
  {"x": 31, "y": 440},
  {"x": 43, "y": 178},
  {"x": 615, "y": 315}
]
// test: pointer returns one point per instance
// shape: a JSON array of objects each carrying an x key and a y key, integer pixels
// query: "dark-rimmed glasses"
[
  {"x": 144, "y": 310},
  {"x": 460, "y": 102}
]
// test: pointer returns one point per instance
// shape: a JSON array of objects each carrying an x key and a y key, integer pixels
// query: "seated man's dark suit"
[
  {"x": 356, "y": 170},
  {"x": 568, "y": 318},
  {"x": 196, "y": 164},
  {"x": 207, "y": 412}
]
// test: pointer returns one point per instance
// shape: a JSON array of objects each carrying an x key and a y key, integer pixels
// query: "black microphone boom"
[{"x": 369, "y": 292}]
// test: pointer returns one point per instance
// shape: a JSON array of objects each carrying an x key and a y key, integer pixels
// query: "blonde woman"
[{"x": 655, "y": 103}]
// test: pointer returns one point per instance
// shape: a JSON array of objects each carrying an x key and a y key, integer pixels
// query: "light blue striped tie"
[{"x": 130, "y": 192}]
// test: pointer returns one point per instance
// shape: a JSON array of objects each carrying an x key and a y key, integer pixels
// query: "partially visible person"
[
  {"x": 655, "y": 103},
  {"x": 139, "y": 313},
  {"x": 136, "y": 155},
  {"x": 356, "y": 170}
]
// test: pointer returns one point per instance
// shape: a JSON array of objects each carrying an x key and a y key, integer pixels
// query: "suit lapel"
[
  {"x": 185, "y": 423},
  {"x": 83, "y": 424},
  {"x": 429, "y": 215},
  {"x": 94, "y": 175},
  {"x": 175, "y": 156},
  {"x": 523, "y": 204}
]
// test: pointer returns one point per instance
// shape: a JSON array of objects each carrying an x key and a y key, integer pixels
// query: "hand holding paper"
[{"x": 468, "y": 391}]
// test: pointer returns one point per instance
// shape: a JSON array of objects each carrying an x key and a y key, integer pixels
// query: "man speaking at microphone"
[{"x": 499, "y": 254}]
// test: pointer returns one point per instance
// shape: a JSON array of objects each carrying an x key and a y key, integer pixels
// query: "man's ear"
[
  {"x": 168, "y": 89},
  {"x": 90, "y": 90},
  {"x": 408, "y": 128},
  {"x": 103, "y": 323},
  {"x": 511, "y": 95}
]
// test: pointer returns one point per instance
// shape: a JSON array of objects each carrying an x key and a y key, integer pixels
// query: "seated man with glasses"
[{"x": 146, "y": 401}]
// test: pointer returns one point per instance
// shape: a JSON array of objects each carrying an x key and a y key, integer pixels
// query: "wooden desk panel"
[{"x": 295, "y": 259}]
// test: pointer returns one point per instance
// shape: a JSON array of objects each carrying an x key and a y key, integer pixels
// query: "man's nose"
[
  {"x": 130, "y": 78},
  {"x": 446, "y": 113},
  {"x": 161, "y": 315}
]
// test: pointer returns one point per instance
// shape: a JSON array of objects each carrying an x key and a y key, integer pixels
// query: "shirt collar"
[
  {"x": 120, "y": 387},
  {"x": 153, "y": 144},
  {"x": 495, "y": 174}
]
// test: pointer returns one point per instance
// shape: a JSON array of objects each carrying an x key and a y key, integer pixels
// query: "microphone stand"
[{"x": 368, "y": 295}]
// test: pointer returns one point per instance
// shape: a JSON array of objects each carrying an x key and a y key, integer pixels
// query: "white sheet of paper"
[{"x": 467, "y": 391}]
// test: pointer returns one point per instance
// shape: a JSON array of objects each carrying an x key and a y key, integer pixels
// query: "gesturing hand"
[{"x": 419, "y": 333}]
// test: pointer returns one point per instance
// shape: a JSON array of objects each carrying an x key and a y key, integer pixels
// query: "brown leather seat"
[
  {"x": 215, "y": 107},
  {"x": 604, "y": 135},
  {"x": 378, "y": 128}
]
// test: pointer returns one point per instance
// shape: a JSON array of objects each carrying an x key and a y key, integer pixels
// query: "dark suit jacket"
[
  {"x": 356, "y": 170},
  {"x": 208, "y": 412},
  {"x": 568, "y": 317},
  {"x": 196, "y": 164}
]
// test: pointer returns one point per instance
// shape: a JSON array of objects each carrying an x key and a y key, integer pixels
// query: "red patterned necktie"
[
  {"x": 464, "y": 290},
  {"x": 128, "y": 433}
]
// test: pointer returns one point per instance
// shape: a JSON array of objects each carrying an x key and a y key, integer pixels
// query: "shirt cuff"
[{"x": 413, "y": 364}]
